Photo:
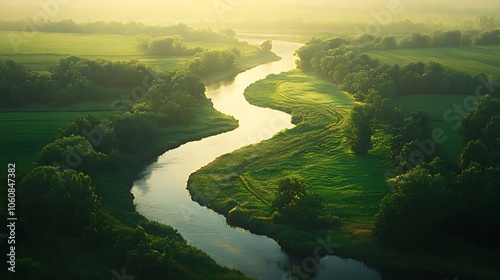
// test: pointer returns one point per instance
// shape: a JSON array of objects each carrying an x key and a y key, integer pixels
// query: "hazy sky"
[{"x": 168, "y": 11}]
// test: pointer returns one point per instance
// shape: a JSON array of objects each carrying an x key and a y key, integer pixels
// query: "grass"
[
  {"x": 46, "y": 49},
  {"x": 26, "y": 133},
  {"x": 471, "y": 60},
  {"x": 240, "y": 185},
  {"x": 315, "y": 150},
  {"x": 119, "y": 199},
  {"x": 29, "y": 128},
  {"x": 114, "y": 190},
  {"x": 436, "y": 106}
]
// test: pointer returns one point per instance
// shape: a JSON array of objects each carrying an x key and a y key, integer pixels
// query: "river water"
[{"x": 161, "y": 194}]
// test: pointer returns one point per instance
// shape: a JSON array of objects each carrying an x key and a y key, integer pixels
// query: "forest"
[
  {"x": 432, "y": 198},
  {"x": 250, "y": 140},
  {"x": 60, "y": 194}
]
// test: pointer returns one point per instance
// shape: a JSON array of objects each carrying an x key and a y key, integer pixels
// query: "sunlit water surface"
[{"x": 161, "y": 193}]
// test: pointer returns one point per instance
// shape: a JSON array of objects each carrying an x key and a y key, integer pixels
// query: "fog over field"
[{"x": 163, "y": 12}]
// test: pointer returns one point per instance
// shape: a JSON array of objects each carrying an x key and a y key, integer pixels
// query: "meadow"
[
  {"x": 24, "y": 134},
  {"x": 242, "y": 185},
  {"x": 471, "y": 60},
  {"x": 47, "y": 48},
  {"x": 28, "y": 129},
  {"x": 315, "y": 151}
]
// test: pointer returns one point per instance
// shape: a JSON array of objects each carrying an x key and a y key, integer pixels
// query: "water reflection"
[{"x": 161, "y": 195}]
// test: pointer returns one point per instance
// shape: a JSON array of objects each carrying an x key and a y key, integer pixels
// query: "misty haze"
[{"x": 234, "y": 139}]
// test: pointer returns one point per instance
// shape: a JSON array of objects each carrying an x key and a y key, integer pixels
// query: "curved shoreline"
[{"x": 391, "y": 262}]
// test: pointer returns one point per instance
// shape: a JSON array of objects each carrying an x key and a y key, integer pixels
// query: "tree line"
[
  {"x": 60, "y": 198},
  {"x": 165, "y": 45},
  {"x": 433, "y": 200},
  {"x": 436, "y": 39},
  {"x": 73, "y": 79},
  {"x": 345, "y": 26},
  {"x": 210, "y": 61},
  {"x": 121, "y": 28}
]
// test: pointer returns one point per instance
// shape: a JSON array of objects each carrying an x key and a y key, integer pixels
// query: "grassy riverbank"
[
  {"x": 115, "y": 189},
  {"x": 70, "y": 256},
  {"x": 241, "y": 185}
]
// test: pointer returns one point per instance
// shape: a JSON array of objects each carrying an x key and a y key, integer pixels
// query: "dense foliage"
[
  {"x": 432, "y": 199},
  {"x": 210, "y": 61},
  {"x": 359, "y": 129},
  {"x": 165, "y": 45},
  {"x": 294, "y": 205},
  {"x": 121, "y": 28},
  {"x": 61, "y": 211},
  {"x": 436, "y": 39},
  {"x": 73, "y": 79},
  {"x": 357, "y": 73}
]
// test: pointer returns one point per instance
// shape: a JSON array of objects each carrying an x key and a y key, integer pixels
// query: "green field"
[
  {"x": 242, "y": 184},
  {"x": 26, "y": 130},
  {"x": 315, "y": 150},
  {"x": 436, "y": 106},
  {"x": 471, "y": 60},
  {"x": 46, "y": 49},
  {"x": 24, "y": 134}
]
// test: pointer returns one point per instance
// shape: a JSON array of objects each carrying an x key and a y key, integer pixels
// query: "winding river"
[{"x": 161, "y": 195}]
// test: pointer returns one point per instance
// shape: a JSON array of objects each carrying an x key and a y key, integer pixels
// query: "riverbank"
[
  {"x": 241, "y": 185},
  {"x": 115, "y": 190},
  {"x": 243, "y": 63}
]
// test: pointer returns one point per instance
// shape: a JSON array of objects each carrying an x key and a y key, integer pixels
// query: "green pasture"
[
  {"x": 45, "y": 49},
  {"x": 315, "y": 150},
  {"x": 472, "y": 60},
  {"x": 241, "y": 185},
  {"x": 24, "y": 134},
  {"x": 440, "y": 108}
]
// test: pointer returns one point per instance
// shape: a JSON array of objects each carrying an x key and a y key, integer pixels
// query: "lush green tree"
[
  {"x": 359, "y": 129},
  {"x": 475, "y": 152},
  {"x": 481, "y": 192},
  {"x": 165, "y": 45},
  {"x": 295, "y": 206},
  {"x": 176, "y": 96},
  {"x": 481, "y": 124},
  {"x": 134, "y": 130},
  {"x": 64, "y": 201},
  {"x": 417, "y": 211},
  {"x": 290, "y": 190},
  {"x": 75, "y": 152},
  {"x": 210, "y": 61}
]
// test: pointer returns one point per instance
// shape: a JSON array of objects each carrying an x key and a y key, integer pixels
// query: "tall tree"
[{"x": 359, "y": 129}]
